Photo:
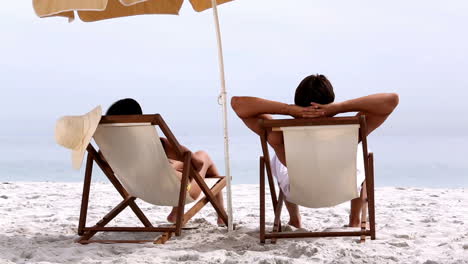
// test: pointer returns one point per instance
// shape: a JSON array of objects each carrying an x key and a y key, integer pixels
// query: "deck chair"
[
  {"x": 133, "y": 159},
  {"x": 321, "y": 159}
]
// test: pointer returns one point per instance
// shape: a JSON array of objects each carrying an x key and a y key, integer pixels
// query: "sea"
[{"x": 402, "y": 161}]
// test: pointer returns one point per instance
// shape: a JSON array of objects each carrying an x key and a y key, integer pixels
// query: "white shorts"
[{"x": 280, "y": 172}]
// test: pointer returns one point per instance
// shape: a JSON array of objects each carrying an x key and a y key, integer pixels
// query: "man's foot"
[
  {"x": 295, "y": 222},
  {"x": 354, "y": 221}
]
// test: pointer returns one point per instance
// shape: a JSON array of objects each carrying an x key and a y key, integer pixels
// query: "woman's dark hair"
[
  {"x": 314, "y": 88},
  {"x": 127, "y": 106}
]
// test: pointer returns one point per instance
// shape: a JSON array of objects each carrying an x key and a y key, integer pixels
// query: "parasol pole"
[{"x": 222, "y": 101}]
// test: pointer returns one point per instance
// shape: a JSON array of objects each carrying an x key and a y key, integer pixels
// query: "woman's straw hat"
[{"x": 75, "y": 133}]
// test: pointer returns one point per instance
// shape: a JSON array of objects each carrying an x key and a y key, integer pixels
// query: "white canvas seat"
[
  {"x": 321, "y": 163},
  {"x": 137, "y": 157},
  {"x": 325, "y": 168}
]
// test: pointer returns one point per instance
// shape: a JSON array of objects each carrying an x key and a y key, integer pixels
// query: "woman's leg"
[
  {"x": 195, "y": 190},
  {"x": 211, "y": 170},
  {"x": 208, "y": 169}
]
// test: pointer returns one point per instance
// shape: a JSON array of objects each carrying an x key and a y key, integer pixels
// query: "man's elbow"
[
  {"x": 236, "y": 104},
  {"x": 392, "y": 101}
]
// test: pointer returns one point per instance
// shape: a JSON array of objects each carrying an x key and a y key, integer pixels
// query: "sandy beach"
[{"x": 414, "y": 225}]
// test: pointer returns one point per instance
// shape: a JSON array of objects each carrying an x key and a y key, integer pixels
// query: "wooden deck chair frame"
[
  {"x": 367, "y": 192},
  {"x": 86, "y": 233}
]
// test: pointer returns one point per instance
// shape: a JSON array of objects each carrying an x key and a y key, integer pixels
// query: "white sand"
[{"x": 38, "y": 225}]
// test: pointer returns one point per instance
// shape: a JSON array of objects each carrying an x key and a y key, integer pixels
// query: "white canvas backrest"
[
  {"x": 321, "y": 162},
  {"x": 135, "y": 153}
]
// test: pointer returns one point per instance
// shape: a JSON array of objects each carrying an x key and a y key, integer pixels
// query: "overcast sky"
[{"x": 49, "y": 67}]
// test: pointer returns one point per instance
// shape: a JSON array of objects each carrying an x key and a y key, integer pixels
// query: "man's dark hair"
[
  {"x": 127, "y": 106},
  {"x": 314, "y": 88}
]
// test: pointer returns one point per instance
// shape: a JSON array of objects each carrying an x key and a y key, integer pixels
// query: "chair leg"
[
  {"x": 363, "y": 211},
  {"x": 262, "y": 200},
  {"x": 163, "y": 238},
  {"x": 371, "y": 196},
  {"x": 193, "y": 210},
  {"x": 85, "y": 195},
  {"x": 209, "y": 194},
  {"x": 277, "y": 221},
  {"x": 266, "y": 160},
  {"x": 144, "y": 220},
  {"x": 107, "y": 218},
  {"x": 107, "y": 170},
  {"x": 271, "y": 184},
  {"x": 183, "y": 193}
]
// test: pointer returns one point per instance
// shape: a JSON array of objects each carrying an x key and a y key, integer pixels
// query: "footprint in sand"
[
  {"x": 186, "y": 257},
  {"x": 429, "y": 220},
  {"x": 399, "y": 244},
  {"x": 430, "y": 262},
  {"x": 402, "y": 236},
  {"x": 296, "y": 250}
]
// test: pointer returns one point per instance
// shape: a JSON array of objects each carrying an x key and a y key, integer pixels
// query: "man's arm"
[
  {"x": 251, "y": 109},
  {"x": 247, "y": 107},
  {"x": 376, "y": 107}
]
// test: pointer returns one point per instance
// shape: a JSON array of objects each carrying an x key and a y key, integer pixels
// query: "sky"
[
  {"x": 50, "y": 67},
  {"x": 418, "y": 49}
]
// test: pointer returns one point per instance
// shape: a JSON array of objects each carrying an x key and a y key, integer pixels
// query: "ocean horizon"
[{"x": 400, "y": 161}]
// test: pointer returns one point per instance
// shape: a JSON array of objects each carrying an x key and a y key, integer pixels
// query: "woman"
[{"x": 201, "y": 160}]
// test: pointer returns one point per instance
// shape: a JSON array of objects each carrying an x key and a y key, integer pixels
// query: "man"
[{"x": 314, "y": 98}]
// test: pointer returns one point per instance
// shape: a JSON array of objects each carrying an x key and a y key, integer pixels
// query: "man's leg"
[
  {"x": 294, "y": 215},
  {"x": 356, "y": 207},
  {"x": 373, "y": 121},
  {"x": 355, "y": 213}
]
